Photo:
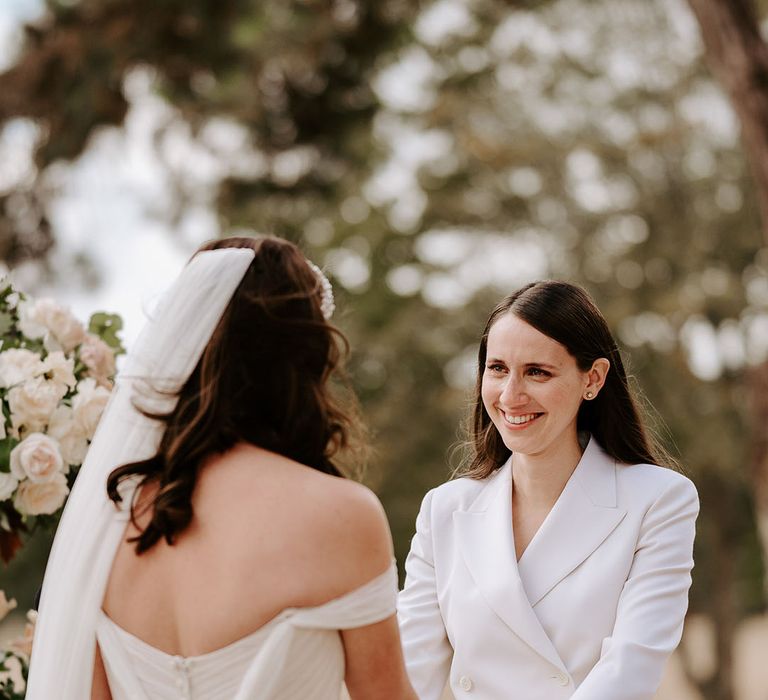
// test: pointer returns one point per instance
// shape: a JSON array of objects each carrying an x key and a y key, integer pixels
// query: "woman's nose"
[{"x": 513, "y": 393}]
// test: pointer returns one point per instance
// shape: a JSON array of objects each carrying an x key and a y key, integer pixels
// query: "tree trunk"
[
  {"x": 723, "y": 599},
  {"x": 717, "y": 536},
  {"x": 738, "y": 57},
  {"x": 758, "y": 390}
]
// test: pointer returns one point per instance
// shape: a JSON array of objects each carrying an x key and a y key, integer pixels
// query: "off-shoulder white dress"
[{"x": 298, "y": 655}]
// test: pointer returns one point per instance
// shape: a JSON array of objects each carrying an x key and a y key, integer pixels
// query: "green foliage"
[
  {"x": 6, "y": 322},
  {"x": 107, "y": 326},
  {"x": 6, "y": 446}
]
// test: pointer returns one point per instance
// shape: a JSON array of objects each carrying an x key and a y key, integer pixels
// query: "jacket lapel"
[
  {"x": 484, "y": 533},
  {"x": 582, "y": 518}
]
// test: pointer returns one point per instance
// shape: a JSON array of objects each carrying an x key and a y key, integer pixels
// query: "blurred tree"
[
  {"x": 438, "y": 156},
  {"x": 294, "y": 75},
  {"x": 738, "y": 57}
]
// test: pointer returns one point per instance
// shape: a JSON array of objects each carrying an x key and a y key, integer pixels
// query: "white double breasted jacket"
[{"x": 592, "y": 609}]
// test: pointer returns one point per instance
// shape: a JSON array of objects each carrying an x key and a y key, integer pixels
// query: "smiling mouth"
[{"x": 521, "y": 420}]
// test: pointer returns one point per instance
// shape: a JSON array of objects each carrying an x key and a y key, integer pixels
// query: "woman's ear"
[{"x": 596, "y": 377}]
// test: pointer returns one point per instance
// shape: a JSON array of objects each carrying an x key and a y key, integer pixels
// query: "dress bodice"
[{"x": 298, "y": 655}]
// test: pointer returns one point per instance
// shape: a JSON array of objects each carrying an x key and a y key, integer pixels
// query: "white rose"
[
  {"x": 6, "y": 605},
  {"x": 88, "y": 405},
  {"x": 98, "y": 357},
  {"x": 72, "y": 441},
  {"x": 60, "y": 369},
  {"x": 36, "y": 458},
  {"x": 53, "y": 317},
  {"x": 22, "y": 646},
  {"x": 17, "y": 365},
  {"x": 41, "y": 499},
  {"x": 28, "y": 322},
  {"x": 33, "y": 402},
  {"x": 8, "y": 484}
]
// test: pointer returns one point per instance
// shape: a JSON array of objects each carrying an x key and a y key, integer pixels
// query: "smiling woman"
[
  {"x": 559, "y": 565},
  {"x": 558, "y": 330},
  {"x": 532, "y": 387}
]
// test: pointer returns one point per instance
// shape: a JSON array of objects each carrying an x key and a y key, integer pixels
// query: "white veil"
[{"x": 165, "y": 354}]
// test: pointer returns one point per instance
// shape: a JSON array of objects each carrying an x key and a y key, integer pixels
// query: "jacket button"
[{"x": 465, "y": 683}]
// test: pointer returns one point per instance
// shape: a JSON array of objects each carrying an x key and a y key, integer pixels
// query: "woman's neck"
[{"x": 539, "y": 479}]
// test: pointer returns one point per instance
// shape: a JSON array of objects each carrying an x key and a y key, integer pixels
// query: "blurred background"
[{"x": 432, "y": 156}]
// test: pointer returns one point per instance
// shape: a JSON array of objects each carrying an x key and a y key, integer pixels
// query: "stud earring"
[{"x": 589, "y": 395}]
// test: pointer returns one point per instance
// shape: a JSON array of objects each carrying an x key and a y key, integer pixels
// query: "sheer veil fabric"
[{"x": 164, "y": 356}]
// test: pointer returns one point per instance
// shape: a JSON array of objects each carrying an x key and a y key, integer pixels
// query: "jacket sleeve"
[
  {"x": 428, "y": 652},
  {"x": 652, "y": 606}
]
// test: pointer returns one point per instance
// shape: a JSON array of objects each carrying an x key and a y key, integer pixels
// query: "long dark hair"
[
  {"x": 566, "y": 313},
  {"x": 262, "y": 379}
]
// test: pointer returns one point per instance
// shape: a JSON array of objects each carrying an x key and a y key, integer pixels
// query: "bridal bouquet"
[
  {"x": 14, "y": 655},
  {"x": 55, "y": 380}
]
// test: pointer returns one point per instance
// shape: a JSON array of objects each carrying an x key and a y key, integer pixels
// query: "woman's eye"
[
  {"x": 538, "y": 372},
  {"x": 495, "y": 368}
]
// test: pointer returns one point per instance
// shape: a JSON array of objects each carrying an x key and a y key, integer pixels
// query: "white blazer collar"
[{"x": 583, "y": 516}]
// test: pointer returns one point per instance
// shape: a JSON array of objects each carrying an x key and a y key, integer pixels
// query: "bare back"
[{"x": 267, "y": 534}]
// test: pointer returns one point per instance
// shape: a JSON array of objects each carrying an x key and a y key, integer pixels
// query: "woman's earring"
[{"x": 589, "y": 395}]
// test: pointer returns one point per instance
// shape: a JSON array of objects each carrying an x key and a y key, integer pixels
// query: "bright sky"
[{"x": 106, "y": 207}]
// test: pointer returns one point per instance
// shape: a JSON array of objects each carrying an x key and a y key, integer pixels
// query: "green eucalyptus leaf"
[
  {"x": 107, "y": 326},
  {"x": 6, "y": 446},
  {"x": 6, "y": 322}
]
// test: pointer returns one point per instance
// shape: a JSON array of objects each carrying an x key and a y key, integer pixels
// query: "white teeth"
[{"x": 519, "y": 420}]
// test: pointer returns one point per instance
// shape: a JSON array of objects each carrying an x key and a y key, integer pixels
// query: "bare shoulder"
[
  {"x": 358, "y": 500},
  {"x": 345, "y": 532},
  {"x": 334, "y": 528},
  {"x": 352, "y": 516}
]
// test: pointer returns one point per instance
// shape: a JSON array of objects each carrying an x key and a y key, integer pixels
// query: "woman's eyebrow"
[{"x": 543, "y": 365}]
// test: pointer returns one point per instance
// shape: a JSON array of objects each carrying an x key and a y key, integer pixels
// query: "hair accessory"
[
  {"x": 589, "y": 395},
  {"x": 327, "y": 303}
]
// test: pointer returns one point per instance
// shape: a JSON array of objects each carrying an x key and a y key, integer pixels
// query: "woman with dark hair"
[
  {"x": 558, "y": 565},
  {"x": 209, "y": 548}
]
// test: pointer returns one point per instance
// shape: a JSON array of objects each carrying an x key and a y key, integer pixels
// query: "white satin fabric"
[
  {"x": 298, "y": 655},
  {"x": 164, "y": 356}
]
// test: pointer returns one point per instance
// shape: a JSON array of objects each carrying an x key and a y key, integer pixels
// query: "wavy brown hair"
[
  {"x": 262, "y": 379},
  {"x": 566, "y": 313}
]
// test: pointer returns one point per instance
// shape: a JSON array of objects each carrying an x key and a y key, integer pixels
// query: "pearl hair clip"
[{"x": 327, "y": 304}]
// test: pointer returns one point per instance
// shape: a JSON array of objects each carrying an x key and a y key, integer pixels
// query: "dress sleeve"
[
  {"x": 652, "y": 606},
  {"x": 372, "y": 602},
  {"x": 428, "y": 652}
]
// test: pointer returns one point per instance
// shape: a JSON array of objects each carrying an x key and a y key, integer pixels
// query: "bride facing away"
[{"x": 210, "y": 548}]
